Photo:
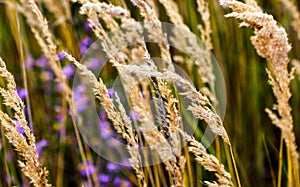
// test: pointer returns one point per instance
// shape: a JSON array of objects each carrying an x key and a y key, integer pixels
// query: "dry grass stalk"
[
  {"x": 153, "y": 25},
  {"x": 169, "y": 148},
  {"x": 24, "y": 144},
  {"x": 203, "y": 9},
  {"x": 209, "y": 162},
  {"x": 39, "y": 26},
  {"x": 253, "y": 4},
  {"x": 296, "y": 64},
  {"x": 173, "y": 12},
  {"x": 117, "y": 115},
  {"x": 172, "y": 120},
  {"x": 201, "y": 54},
  {"x": 201, "y": 107},
  {"x": 291, "y": 6},
  {"x": 153, "y": 137},
  {"x": 60, "y": 11},
  {"x": 271, "y": 42},
  {"x": 112, "y": 43}
]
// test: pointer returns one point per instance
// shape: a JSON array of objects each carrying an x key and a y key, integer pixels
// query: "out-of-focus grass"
[{"x": 255, "y": 140}]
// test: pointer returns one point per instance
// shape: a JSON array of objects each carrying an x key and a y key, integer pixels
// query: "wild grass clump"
[
  {"x": 18, "y": 132},
  {"x": 271, "y": 42}
]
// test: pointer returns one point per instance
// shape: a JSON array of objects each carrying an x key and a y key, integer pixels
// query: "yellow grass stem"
[
  {"x": 90, "y": 160},
  {"x": 156, "y": 175},
  {"x": 149, "y": 175},
  {"x": 188, "y": 163},
  {"x": 235, "y": 167},
  {"x": 61, "y": 153},
  {"x": 290, "y": 166},
  {"x": 280, "y": 162},
  {"x": 18, "y": 40},
  {"x": 5, "y": 163},
  {"x": 270, "y": 163},
  {"x": 218, "y": 148},
  {"x": 82, "y": 154}
]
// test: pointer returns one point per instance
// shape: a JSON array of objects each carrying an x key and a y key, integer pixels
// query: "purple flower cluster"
[
  {"x": 93, "y": 63},
  {"x": 46, "y": 74},
  {"x": 84, "y": 44},
  {"x": 87, "y": 26},
  {"x": 22, "y": 93},
  {"x": 87, "y": 169},
  {"x": 40, "y": 145},
  {"x": 104, "y": 126},
  {"x": 81, "y": 100},
  {"x": 20, "y": 129},
  {"x": 110, "y": 174},
  {"x": 133, "y": 115},
  {"x": 111, "y": 179}
]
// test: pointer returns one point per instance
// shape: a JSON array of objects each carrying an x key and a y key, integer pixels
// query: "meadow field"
[{"x": 149, "y": 93}]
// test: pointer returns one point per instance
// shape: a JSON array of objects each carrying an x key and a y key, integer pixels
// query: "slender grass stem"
[
  {"x": 270, "y": 163},
  {"x": 280, "y": 163},
  {"x": 81, "y": 150},
  {"x": 235, "y": 167},
  {"x": 5, "y": 162},
  {"x": 290, "y": 166}
]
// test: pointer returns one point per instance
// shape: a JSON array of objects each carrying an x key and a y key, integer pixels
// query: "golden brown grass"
[
  {"x": 296, "y": 64},
  {"x": 271, "y": 42},
  {"x": 25, "y": 144},
  {"x": 39, "y": 27},
  {"x": 291, "y": 6},
  {"x": 118, "y": 116}
]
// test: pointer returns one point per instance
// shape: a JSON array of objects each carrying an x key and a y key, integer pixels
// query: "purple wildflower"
[
  {"x": 125, "y": 163},
  {"x": 94, "y": 63},
  {"x": 19, "y": 128},
  {"x": 80, "y": 99},
  {"x": 29, "y": 62},
  {"x": 22, "y": 93},
  {"x": 41, "y": 62},
  {"x": 87, "y": 26},
  {"x": 47, "y": 76},
  {"x": 40, "y": 145},
  {"x": 59, "y": 86},
  {"x": 61, "y": 56},
  {"x": 85, "y": 44},
  {"x": 133, "y": 115},
  {"x": 111, "y": 92},
  {"x": 83, "y": 50},
  {"x": 68, "y": 71},
  {"x": 102, "y": 115},
  {"x": 87, "y": 169},
  {"x": 112, "y": 167},
  {"x": 60, "y": 118},
  {"x": 106, "y": 131},
  {"x": 117, "y": 181},
  {"x": 103, "y": 178}
]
